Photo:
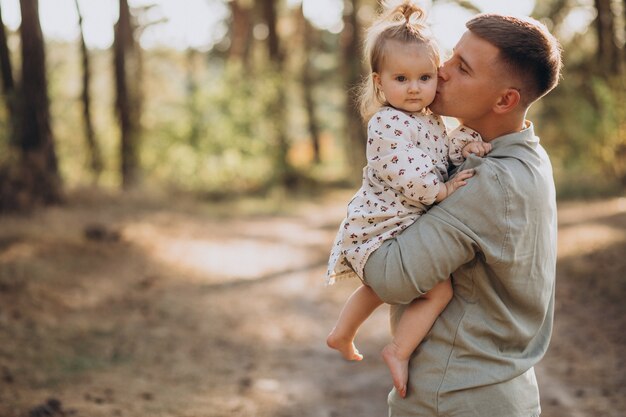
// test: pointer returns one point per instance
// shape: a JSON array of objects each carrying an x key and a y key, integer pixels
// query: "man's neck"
[{"x": 495, "y": 127}]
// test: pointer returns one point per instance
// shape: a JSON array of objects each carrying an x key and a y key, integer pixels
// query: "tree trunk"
[
  {"x": 240, "y": 33},
  {"x": 273, "y": 41},
  {"x": 308, "y": 82},
  {"x": 126, "y": 102},
  {"x": 40, "y": 173},
  {"x": 622, "y": 57},
  {"x": 195, "y": 114},
  {"x": 352, "y": 73},
  {"x": 608, "y": 51},
  {"x": 8, "y": 84},
  {"x": 95, "y": 158},
  {"x": 283, "y": 170}
]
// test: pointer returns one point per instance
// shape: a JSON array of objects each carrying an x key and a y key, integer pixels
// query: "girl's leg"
[
  {"x": 413, "y": 326},
  {"x": 357, "y": 309}
]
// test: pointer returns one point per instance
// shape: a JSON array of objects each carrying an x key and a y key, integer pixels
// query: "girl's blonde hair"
[{"x": 403, "y": 22}]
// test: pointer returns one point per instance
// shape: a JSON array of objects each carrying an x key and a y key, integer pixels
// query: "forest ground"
[{"x": 165, "y": 306}]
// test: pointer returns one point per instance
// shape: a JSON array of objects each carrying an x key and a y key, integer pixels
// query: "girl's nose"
[{"x": 414, "y": 86}]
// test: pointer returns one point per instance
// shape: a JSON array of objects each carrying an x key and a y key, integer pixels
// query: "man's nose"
[{"x": 442, "y": 73}]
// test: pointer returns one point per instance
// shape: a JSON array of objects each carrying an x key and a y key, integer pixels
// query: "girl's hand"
[
  {"x": 459, "y": 180},
  {"x": 479, "y": 148}
]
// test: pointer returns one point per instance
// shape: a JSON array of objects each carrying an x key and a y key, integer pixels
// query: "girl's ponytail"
[{"x": 406, "y": 11}]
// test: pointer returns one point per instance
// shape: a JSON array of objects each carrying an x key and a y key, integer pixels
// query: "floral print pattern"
[{"x": 408, "y": 155}]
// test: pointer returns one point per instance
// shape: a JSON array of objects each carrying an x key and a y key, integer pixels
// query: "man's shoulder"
[{"x": 485, "y": 191}]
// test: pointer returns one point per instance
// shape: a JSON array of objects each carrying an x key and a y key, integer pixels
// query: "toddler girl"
[{"x": 408, "y": 154}]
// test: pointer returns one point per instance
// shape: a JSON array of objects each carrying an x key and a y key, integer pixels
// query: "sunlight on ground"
[
  {"x": 190, "y": 313},
  {"x": 587, "y": 238},
  {"x": 222, "y": 257},
  {"x": 18, "y": 251},
  {"x": 584, "y": 233},
  {"x": 570, "y": 212}
]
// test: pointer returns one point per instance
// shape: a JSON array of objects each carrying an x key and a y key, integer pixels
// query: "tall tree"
[
  {"x": 278, "y": 109},
  {"x": 40, "y": 173},
  {"x": 608, "y": 52},
  {"x": 95, "y": 157},
  {"x": 351, "y": 40},
  {"x": 308, "y": 82},
  {"x": 127, "y": 64},
  {"x": 8, "y": 83},
  {"x": 193, "y": 105},
  {"x": 240, "y": 31}
]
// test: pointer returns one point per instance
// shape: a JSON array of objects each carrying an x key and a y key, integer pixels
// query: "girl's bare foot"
[
  {"x": 344, "y": 345},
  {"x": 398, "y": 366}
]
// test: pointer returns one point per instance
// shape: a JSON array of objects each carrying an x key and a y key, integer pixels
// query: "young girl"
[{"x": 408, "y": 154}]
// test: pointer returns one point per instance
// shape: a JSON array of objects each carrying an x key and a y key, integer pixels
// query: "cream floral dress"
[{"x": 408, "y": 155}]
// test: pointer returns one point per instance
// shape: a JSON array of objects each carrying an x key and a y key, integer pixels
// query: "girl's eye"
[
  {"x": 425, "y": 77},
  {"x": 401, "y": 78},
  {"x": 463, "y": 70}
]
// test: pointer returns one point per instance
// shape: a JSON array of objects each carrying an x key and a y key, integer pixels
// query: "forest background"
[
  {"x": 257, "y": 95},
  {"x": 172, "y": 174}
]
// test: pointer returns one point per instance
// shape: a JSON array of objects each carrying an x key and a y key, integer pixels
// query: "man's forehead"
[{"x": 476, "y": 51}]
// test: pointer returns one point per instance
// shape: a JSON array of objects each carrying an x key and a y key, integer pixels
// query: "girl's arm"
[
  {"x": 463, "y": 141},
  {"x": 453, "y": 184}
]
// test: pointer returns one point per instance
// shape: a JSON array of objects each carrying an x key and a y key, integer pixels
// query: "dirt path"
[{"x": 185, "y": 309}]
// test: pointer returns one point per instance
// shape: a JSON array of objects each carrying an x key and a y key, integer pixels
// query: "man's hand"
[
  {"x": 479, "y": 148},
  {"x": 459, "y": 180}
]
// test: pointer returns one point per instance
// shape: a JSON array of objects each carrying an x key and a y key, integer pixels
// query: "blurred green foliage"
[
  {"x": 206, "y": 122},
  {"x": 583, "y": 126},
  {"x": 207, "y": 125},
  {"x": 216, "y": 135}
]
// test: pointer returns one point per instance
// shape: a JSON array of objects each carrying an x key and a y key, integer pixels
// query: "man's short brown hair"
[{"x": 527, "y": 49}]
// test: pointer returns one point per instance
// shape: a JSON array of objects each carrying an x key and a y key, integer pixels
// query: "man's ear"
[{"x": 507, "y": 101}]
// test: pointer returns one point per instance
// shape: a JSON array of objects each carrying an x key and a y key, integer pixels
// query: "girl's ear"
[
  {"x": 507, "y": 101},
  {"x": 376, "y": 79}
]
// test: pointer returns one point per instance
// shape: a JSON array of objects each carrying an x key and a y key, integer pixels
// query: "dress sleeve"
[
  {"x": 396, "y": 161},
  {"x": 458, "y": 138}
]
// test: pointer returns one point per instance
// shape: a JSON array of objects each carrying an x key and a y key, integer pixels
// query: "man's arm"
[{"x": 449, "y": 235}]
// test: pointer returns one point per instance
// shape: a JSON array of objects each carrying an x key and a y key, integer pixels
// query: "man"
[{"x": 496, "y": 236}]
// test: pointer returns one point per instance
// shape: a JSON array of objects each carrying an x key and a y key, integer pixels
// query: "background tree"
[
  {"x": 241, "y": 22},
  {"x": 127, "y": 101},
  {"x": 284, "y": 172},
  {"x": 8, "y": 84},
  {"x": 351, "y": 50},
  {"x": 95, "y": 156},
  {"x": 308, "y": 80},
  {"x": 40, "y": 182},
  {"x": 608, "y": 52}
]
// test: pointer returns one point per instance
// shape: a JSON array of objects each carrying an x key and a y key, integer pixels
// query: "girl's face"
[{"x": 408, "y": 77}]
